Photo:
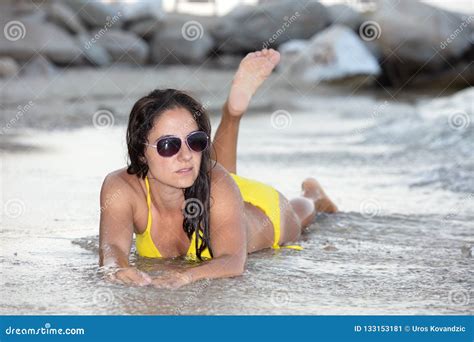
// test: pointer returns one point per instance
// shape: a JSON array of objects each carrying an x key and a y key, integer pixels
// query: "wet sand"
[{"x": 401, "y": 245}]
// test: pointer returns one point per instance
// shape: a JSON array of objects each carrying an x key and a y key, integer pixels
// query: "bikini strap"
[{"x": 148, "y": 202}]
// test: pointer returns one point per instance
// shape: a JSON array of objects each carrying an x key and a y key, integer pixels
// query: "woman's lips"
[{"x": 184, "y": 171}]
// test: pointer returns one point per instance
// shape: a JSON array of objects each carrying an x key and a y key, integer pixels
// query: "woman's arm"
[
  {"x": 228, "y": 236},
  {"x": 116, "y": 231}
]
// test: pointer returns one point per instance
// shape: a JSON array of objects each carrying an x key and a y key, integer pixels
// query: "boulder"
[
  {"x": 122, "y": 46},
  {"x": 97, "y": 13},
  {"x": 25, "y": 38},
  {"x": 38, "y": 67},
  {"x": 8, "y": 67},
  {"x": 334, "y": 54},
  {"x": 182, "y": 39},
  {"x": 94, "y": 53},
  {"x": 410, "y": 48},
  {"x": 247, "y": 28},
  {"x": 65, "y": 17},
  {"x": 345, "y": 15},
  {"x": 145, "y": 28},
  {"x": 137, "y": 11}
]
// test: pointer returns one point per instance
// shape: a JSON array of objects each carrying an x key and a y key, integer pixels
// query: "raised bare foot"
[
  {"x": 313, "y": 190},
  {"x": 253, "y": 70}
]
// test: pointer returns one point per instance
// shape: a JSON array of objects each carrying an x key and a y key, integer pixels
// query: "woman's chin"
[{"x": 185, "y": 181}]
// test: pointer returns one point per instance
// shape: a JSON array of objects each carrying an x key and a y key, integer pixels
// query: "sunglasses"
[{"x": 168, "y": 146}]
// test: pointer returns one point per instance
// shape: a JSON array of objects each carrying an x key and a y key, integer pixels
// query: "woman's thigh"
[{"x": 260, "y": 230}]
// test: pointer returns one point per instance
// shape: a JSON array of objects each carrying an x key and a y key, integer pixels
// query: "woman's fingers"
[{"x": 130, "y": 276}]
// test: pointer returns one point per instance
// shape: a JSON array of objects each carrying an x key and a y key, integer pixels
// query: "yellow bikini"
[{"x": 258, "y": 194}]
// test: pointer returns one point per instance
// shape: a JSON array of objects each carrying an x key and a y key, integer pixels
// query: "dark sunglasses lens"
[
  {"x": 198, "y": 141},
  {"x": 168, "y": 147}
]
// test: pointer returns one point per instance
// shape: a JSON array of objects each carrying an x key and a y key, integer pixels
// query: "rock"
[
  {"x": 247, "y": 28},
  {"x": 183, "y": 39},
  {"x": 38, "y": 67},
  {"x": 25, "y": 39},
  {"x": 8, "y": 67},
  {"x": 94, "y": 53},
  {"x": 63, "y": 16},
  {"x": 145, "y": 28},
  {"x": 134, "y": 12},
  {"x": 410, "y": 48},
  {"x": 345, "y": 15},
  {"x": 123, "y": 46},
  {"x": 96, "y": 13},
  {"x": 325, "y": 57}
]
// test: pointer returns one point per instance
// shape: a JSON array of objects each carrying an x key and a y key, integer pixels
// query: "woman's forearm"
[
  {"x": 113, "y": 256},
  {"x": 220, "y": 267}
]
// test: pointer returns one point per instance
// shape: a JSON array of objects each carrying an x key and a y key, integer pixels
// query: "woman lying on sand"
[{"x": 181, "y": 195}]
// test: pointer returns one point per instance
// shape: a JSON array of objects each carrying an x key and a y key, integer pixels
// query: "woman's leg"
[
  {"x": 252, "y": 72},
  {"x": 300, "y": 212}
]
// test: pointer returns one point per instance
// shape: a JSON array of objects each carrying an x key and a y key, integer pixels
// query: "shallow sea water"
[{"x": 402, "y": 243}]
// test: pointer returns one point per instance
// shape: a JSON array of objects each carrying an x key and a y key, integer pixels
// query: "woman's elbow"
[{"x": 239, "y": 266}]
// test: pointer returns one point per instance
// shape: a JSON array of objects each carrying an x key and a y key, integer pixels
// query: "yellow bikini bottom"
[{"x": 258, "y": 194}]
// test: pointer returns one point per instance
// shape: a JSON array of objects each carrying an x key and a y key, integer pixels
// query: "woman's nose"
[{"x": 185, "y": 153}]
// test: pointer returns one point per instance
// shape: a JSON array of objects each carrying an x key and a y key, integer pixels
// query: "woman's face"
[{"x": 181, "y": 169}]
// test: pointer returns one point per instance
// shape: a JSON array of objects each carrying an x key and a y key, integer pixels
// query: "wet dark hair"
[{"x": 197, "y": 197}]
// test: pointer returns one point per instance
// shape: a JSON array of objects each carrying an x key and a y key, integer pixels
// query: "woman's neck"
[{"x": 166, "y": 199}]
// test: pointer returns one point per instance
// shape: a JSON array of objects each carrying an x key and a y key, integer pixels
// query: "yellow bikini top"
[{"x": 147, "y": 248}]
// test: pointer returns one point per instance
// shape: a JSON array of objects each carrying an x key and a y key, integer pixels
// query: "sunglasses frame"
[{"x": 181, "y": 143}]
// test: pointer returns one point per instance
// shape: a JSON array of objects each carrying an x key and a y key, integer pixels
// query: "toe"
[
  {"x": 274, "y": 57},
  {"x": 250, "y": 55}
]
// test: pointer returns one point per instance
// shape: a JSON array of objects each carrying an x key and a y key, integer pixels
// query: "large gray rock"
[
  {"x": 145, "y": 28},
  {"x": 27, "y": 38},
  {"x": 97, "y": 13},
  {"x": 38, "y": 67},
  {"x": 412, "y": 34},
  {"x": 65, "y": 17},
  {"x": 140, "y": 10},
  {"x": 345, "y": 15},
  {"x": 122, "y": 46},
  {"x": 94, "y": 53},
  {"x": 182, "y": 39},
  {"x": 334, "y": 54},
  {"x": 248, "y": 28},
  {"x": 8, "y": 67}
]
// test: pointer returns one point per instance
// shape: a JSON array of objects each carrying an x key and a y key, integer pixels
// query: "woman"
[{"x": 181, "y": 196}]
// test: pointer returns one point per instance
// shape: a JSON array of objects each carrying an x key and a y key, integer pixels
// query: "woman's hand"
[
  {"x": 172, "y": 280},
  {"x": 130, "y": 276}
]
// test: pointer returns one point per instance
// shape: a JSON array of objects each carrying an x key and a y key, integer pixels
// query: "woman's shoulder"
[
  {"x": 222, "y": 183},
  {"x": 122, "y": 182}
]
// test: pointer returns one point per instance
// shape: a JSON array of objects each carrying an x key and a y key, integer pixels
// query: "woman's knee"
[{"x": 304, "y": 209}]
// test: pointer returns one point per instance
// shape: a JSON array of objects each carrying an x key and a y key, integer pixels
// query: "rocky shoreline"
[{"x": 410, "y": 41}]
